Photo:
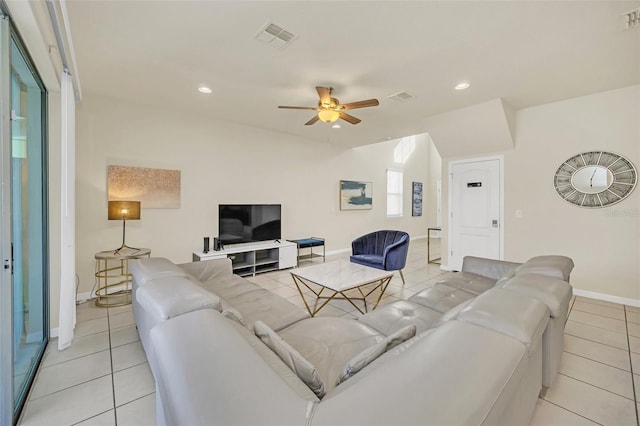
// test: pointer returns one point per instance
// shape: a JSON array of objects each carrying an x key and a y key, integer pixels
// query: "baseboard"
[
  {"x": 339, "y": 251},
  {"x": 607, "y": 297},
  {"x": 83, "y": 297}
]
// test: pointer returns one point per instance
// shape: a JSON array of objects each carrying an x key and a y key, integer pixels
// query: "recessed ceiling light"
[
  {"x": 462, "y": 85},
  {"x": 204, "y": 89},
  {"x": 336, "y": 126}
]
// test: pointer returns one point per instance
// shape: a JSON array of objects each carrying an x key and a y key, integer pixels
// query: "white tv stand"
[{"x": 249, "y": 259}]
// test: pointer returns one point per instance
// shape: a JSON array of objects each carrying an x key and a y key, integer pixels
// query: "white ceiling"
[{"x": 526, "y": 52}]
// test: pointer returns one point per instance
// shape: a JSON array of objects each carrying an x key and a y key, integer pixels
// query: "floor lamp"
[{"x": 124, "y": 210}]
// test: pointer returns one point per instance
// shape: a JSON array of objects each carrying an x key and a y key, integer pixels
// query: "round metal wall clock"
[{"x": 595, "y": 179}]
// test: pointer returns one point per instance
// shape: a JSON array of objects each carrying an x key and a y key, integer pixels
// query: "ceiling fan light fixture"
[{"x": 328, "y": 115}]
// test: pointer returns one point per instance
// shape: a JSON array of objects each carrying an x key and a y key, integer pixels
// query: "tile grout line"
[
  {"x": 113, "y": 385},
  {"x": 601, "y": 328},
  {"x": 595, "y": 341},
  {"x": 596, "y": 361},
  {"x": 599, "y": 315},
  {"x": 633, "y": 384},
  {"x": 598, "y": 387},
  {"x": 573, "y": 412}
]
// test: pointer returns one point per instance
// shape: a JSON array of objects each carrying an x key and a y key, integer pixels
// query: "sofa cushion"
[
  {"x": 397, "y": 315},
  {"x": 554, "y": 266},
  {"x": 368, "y": 355},
  {"x": 469, "y": 282},
  {"x": 168, "y": 297},
  {"x": 441, "y": 297},
  {"x": 148, "y": 269},
  {"x": 255, "y": 303},
  {"x": 329, "y": 342},
  {"x": 367, "y": 259},
  {"x": 298, "y": 364}
]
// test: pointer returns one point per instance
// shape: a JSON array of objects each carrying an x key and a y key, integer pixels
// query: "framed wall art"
[
  {"x": 416, "y": 199},
  {"x": 356, "y": 195},
  {"x": 154, "y": 188}
]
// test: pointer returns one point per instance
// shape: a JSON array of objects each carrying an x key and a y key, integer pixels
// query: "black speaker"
[
  {"x": 206, "y": 244},
  {"x": 217, "y": 245}
]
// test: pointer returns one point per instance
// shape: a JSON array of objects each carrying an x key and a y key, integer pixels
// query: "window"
[
  {"x": 394, "y": 192},
  {"x": 404, "y": 149}
]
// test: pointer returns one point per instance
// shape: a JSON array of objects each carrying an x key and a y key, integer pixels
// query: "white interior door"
[{"x": 475, "y": 210}]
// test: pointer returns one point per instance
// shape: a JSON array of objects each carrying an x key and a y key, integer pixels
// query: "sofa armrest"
[
  {"x": 490, "y": 268},
  {"x": 208, "y": 269}
]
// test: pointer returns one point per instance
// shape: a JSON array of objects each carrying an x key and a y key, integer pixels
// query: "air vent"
[
  {"x": 632, "y": 19},
  {"x": 401, "y": 97},
  {"x": 275, "y": 36}
]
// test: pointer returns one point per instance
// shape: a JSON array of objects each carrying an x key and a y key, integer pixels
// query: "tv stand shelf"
[{"x": 249, "y": 259}]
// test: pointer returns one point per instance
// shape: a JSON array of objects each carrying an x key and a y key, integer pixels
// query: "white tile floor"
[{"x": 104, "y": 377}]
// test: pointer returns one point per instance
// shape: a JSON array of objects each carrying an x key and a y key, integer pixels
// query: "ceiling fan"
[{"x": 330, "y": 109}]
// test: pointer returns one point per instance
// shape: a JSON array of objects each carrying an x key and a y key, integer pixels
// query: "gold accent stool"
[{"x": 113, "y": 280}]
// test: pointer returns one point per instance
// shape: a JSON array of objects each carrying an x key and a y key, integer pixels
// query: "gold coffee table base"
[{"x": 337, "y": 278}]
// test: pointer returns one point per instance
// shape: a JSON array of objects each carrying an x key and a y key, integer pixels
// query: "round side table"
[{"x": 113, "y": 280}]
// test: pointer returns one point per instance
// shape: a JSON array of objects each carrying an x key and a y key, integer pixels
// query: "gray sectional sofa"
[{"x": 476, "y": 348}]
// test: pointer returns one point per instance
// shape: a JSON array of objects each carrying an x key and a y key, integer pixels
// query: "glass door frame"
[
  {"x": 6, "y": 284},
  {"x": 10, "y": 406}
]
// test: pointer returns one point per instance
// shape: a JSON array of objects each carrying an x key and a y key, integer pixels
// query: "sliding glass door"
[{"x": 24, "y": 231}]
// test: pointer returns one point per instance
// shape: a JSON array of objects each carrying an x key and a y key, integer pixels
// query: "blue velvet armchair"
[{"x": 385, "y": 250}]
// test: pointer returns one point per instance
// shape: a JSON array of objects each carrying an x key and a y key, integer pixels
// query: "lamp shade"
[
  {"x": 124, "y": 210},
  {"x": 328, "y": 115}
]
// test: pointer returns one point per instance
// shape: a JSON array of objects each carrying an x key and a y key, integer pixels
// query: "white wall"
[
  {"x": 604, "y": 243},
  {"x": 223, "y": 162}
]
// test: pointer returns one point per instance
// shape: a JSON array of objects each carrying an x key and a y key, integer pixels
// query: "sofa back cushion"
[
  {"x": 294, "y": 360},
  {"x": 490, "y": 268},
  {"x": 209, "y": 269},
  {"x": 551, "y": 265},
  {"x": 553, "y": 292},
  {"x": 168, "y": 297},
  {"x": 148, "y": 269}
]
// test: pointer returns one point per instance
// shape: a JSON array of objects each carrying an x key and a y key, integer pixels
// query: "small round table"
[{"x": 113, "y": 280}]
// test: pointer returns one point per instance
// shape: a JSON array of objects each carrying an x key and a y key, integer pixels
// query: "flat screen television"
[{"x": 246, "y": 223}]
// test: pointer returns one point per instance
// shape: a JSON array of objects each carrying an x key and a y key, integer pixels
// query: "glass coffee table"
[{"x": 336, "y": 278}]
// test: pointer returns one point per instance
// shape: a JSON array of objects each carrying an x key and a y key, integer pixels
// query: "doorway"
[{"x": 475, "y": 209}]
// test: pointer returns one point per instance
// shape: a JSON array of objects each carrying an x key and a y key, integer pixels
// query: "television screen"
[{"x": 245, "y": 223}]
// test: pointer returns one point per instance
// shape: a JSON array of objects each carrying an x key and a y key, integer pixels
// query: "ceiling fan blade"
[
  {"x": 313, "y": 120},
  {"x": 360, "y": 104},
  {"x": 325, "y": 94},
  {"x": 350, "y": 118},
  {"x": 297, "y": 107}
]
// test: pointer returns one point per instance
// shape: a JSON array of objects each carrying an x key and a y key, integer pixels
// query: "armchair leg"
[{"x": 401, "y": 276}]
